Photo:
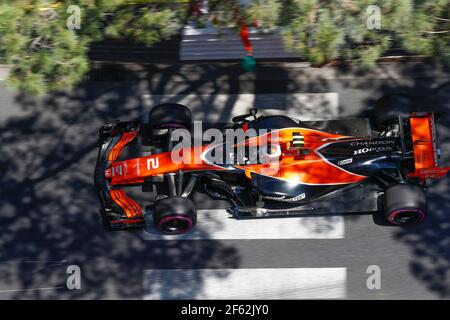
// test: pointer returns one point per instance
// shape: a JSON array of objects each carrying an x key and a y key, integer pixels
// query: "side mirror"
[{"x": 242, "y": 117}]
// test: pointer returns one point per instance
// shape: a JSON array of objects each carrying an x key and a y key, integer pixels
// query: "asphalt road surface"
[{"x": 48, "y": 202}]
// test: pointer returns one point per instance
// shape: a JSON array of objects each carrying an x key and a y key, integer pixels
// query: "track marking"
[
  {"x": 214, "y": 107},
  {"x": 258, "y": 284},
  {"x": 218, "y": 224},
  {"x": 30, "y": 289}
]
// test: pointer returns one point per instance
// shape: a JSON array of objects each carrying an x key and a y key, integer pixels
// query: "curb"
[
  {"x": 283, "y": 61},
  {"x": 383, "y": 59},
  {"x": 4, "y": 71}
]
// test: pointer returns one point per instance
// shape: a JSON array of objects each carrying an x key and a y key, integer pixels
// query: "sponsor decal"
[
  {"x": 374, "y": 149},
  {"x": 138, "y": 169},
  {"x": 367, "y": 143},
  {"x": 119, "y": 169},
  {"x": 346, "y": 161},
  {"x": 283, "y": 198},
  {"x": 116, "y": 170},
  {"x": 433, "y": 172},
  {"x": 297, "y": 198}
]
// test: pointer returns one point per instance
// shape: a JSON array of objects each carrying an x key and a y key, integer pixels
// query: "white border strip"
[
  {"x": 218, "y": 224},
  {"x": 258, "y": 284}
]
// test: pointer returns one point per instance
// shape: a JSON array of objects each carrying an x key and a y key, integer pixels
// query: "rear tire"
[
  {"x": 389, "y": 108},
  {"x": 174, "y": 215},
  {"x": 405, "y": 204}
]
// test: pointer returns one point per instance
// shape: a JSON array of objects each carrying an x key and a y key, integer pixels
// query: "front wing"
[{"x": 117, "y": 209}]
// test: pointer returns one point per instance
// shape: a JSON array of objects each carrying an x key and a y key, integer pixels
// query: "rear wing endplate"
[{"x": 426, "y": 154}]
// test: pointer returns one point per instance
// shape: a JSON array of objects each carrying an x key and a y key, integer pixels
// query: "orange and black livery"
[{"x": 285, "y": 165}]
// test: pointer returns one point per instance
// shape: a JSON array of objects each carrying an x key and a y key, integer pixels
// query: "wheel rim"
[
  {"x": 406, "y": 216},
  {"x": 175, "y": 224}
]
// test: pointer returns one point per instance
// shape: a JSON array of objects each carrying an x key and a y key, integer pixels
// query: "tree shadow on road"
[
  {"x": 49, "y": 205},
  {"x": 429, "y": 241}
]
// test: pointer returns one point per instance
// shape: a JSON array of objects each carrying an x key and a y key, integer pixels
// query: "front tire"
[
  {"x": 405, "y": 204},
  {"x": 170, "y": 115},
  {"x": 174, "y": 215}
]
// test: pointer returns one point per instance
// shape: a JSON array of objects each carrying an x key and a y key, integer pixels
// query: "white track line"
[
  {"x": 258, "y": 284},
  {"x": 218, "y": 224},
  {"x": 31, "y": 289},
  {"x": 305, "y": 106}
]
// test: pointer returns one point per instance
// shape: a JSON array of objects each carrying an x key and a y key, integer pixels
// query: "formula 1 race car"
[{"x": 271, "y": 166}]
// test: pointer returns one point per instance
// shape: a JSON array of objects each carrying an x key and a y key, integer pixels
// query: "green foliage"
[
  {"x": 224, "y": 14},
  {"x": 265, "y": 13},
  {"x": 321, "y": 31},
  {"x": 46, "y": 55},
  {"x": 428, "y": 31},
  {"x": 147, "y": 25}
]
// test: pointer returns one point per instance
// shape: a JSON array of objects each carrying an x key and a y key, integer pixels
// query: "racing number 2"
[{"x": 152, "y": 163}]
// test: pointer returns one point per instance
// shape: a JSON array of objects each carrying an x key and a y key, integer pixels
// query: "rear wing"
[{"x": 426, "y": 152}]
